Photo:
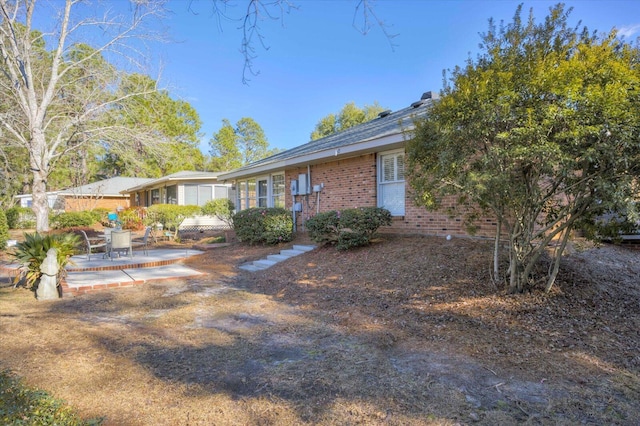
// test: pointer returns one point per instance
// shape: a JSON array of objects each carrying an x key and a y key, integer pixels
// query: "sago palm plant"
[{"x": 33, "y": 250}]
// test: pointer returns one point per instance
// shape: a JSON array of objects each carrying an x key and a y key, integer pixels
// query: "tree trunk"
[
  {"x": 40, "y": 169},
  {"x": 556, "y": 261},
  {"x": 496, "y": 254}
]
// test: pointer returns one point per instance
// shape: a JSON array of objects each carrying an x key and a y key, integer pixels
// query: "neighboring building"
[
  {"x": 102, "y": 194},
  {"x": 183, "y": 188},
  {"x": 362, "y": 166}
]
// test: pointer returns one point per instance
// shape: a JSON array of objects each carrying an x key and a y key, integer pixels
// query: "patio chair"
[
  {"x": 91, "y": 245},
  {"x": 144, "y": 242},
  {"x": 120, "y": 243}
]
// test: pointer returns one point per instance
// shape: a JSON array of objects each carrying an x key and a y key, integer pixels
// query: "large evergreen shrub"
[
  {"x": 324, "y": 227},
  {"x": 348, "y": 228},
  {"x": 260, "y": 225}
]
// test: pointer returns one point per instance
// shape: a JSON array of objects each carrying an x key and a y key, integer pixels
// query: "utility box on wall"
[
  {"x": 303, "y": 184},
  {"x": 294, "y": 187}
]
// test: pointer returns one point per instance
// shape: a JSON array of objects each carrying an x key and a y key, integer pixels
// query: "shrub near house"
[
  {"x": 260, "y": 225},
  {"x": 348, "y": 228}
]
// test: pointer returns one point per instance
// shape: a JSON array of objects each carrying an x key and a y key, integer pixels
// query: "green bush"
[
  {"x": 20, "y": 405},
  {"x": 72, "y": 220},
  {"x": 20, "y": 218},
  {"x": 263, "y": 225},
  {"x": 348, "y": 228},
  {"x": 170, "y": 215},
  {"x": 13, "y": 215},
  {"x": 222, "y": 208},
  {"x": 31, "y": 252},
  {"x": 4, "y": 230},
  {"x": 101, "y": 215},
  {"x": 324, "y": 227}
]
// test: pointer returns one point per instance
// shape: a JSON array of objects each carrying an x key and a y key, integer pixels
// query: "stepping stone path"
[{"x": 272, "y": 259}]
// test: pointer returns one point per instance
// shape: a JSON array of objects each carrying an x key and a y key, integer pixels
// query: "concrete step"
[
  {"x": 291, "y": 252},
  {"x": 264, "y": 263},
  {"x": 272, "y": 259},
  {"x": 250, "y": 267},
  {"x": 278, "y": 257}
]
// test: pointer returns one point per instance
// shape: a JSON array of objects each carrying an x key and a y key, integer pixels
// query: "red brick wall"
[
  {"x": 82, "y": 204},
  {"x": 352, "y": 182}
]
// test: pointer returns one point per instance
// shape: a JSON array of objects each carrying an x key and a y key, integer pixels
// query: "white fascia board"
[
  {"x": 389, "y": 141},
  {"x": 259, "y": 170},
  {"x": 155, "y": 183}
]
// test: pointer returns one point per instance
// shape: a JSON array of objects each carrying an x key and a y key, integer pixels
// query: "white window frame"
[
  {"x": 262, "y": 200},
  {"x": 273, "y": 196},
  {"x": 243, "y": 201},
  {"x": 200, "y": 200},
  {"x": 395, "y": 187}
]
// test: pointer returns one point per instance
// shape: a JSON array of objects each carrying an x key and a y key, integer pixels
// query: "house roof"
[
  {"x": 107, "y": 187},
  {"x": 178, "y": 176},
  {"x": 385, "y": 132}
]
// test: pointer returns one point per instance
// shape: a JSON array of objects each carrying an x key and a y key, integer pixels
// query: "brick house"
[
  {"x": 360, "y": 167},
  {"x": 101, "y": 194}
]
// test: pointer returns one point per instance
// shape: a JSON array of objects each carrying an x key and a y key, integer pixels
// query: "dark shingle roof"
[{"x": 395, "y": 123}]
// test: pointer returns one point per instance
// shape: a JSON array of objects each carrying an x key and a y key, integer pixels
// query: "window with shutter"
[{"x": 391, "y": 183}]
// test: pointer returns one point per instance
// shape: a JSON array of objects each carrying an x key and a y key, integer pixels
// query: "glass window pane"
[
  {"x": 262, "y": 193},
  {"x": 204, "y": 195},
  {"x": 242, "y": 196},
  {"x": 251, "y": 193},
  {"x": 391, "y": 188},
  {"x": 220, "y": 192},
  {"x": 392, "y": 195},
  {"x": 172, "y": 195},
  {"x": 191, "y": 195},
  {"x": 277, "y": 190}
]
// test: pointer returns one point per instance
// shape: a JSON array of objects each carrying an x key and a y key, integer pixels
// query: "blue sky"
[{"x": 317, "y": 62}]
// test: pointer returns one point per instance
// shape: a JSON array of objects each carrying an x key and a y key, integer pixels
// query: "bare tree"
[{"x": 59, "y": 91}]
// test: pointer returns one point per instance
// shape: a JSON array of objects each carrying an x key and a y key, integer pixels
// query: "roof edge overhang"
[
  {"x": 166, "y": 179},
  {"x": 386, "y": 142}
]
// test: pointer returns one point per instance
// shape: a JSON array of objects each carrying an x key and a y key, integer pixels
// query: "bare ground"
[{"x": 410, "y": 330}]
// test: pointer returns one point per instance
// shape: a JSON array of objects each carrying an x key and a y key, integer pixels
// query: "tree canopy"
[
  {"x": 64, "y": 105},
  {"x": 350, "y": 115},
  {"x": 236, "y": 146},
  {"x": 541, "y": 131}
]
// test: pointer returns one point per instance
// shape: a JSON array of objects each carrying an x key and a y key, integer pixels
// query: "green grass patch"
[{"x": 20, "y": 405}]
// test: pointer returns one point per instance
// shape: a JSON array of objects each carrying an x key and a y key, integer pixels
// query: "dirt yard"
[{"x": 408, "y": 331}]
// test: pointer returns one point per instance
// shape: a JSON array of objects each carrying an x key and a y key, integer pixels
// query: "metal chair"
[
  {"x": 120, "y": 243},
  {"x": 90, "y": 245},
  {"x": 145, "y": 241}
]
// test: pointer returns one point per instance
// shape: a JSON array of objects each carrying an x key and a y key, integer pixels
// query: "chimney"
[{"x": 429, "y": 95}]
